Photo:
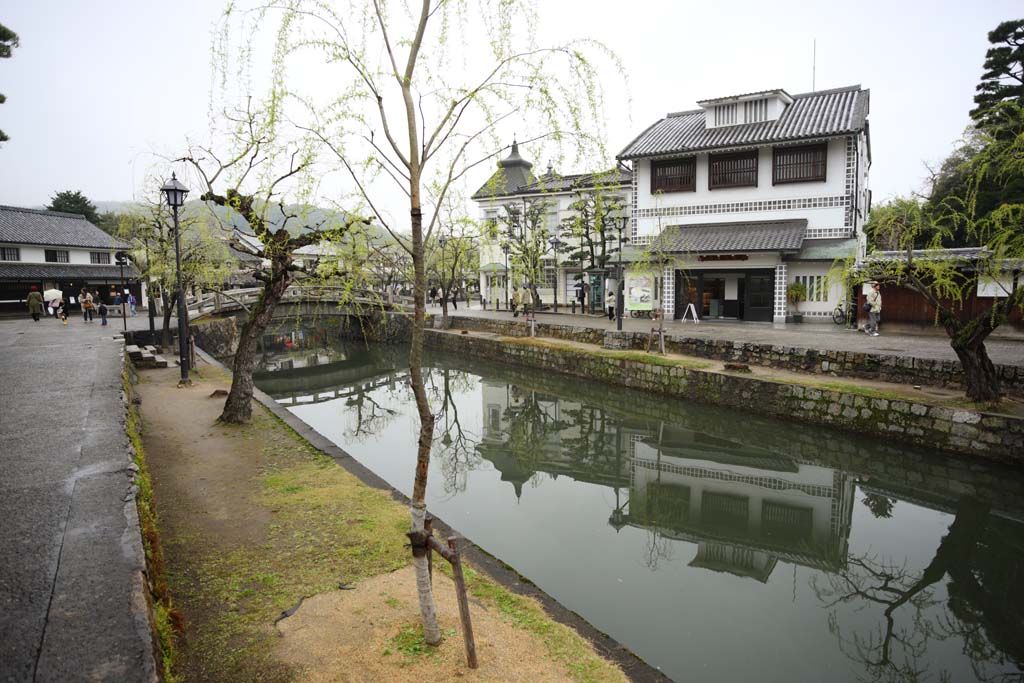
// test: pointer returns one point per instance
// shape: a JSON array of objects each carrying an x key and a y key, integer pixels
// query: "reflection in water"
[{"x": 923, "y": 581}]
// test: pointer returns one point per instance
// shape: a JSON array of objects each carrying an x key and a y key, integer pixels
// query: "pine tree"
[
  {"x": 1004, "y": 70},
  {"x": 74, "y": 202},
  {"x": 8, "y": 41}
]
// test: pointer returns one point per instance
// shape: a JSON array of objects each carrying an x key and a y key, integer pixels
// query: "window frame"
[
  {"x": 96, "y": 258},
  {"x": 56, "y": 255},
  {"x": 682, "y": 162},
  {"x": 4, "y": 251},
  {"x": 814, "y": 146},
  {"x": 726, "y": 156}
]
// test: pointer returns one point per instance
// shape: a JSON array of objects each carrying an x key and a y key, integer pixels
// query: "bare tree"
[{"x": 400, "y": 115}]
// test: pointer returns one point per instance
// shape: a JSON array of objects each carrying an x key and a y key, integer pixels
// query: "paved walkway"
[
  {"x": 72, "y": 606},
  {"x": 808, "y": 335}
]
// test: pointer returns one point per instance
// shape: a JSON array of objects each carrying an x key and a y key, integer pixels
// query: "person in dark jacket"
[
  {"x": 35, "y": 303},
  {"x": 103, "y": 313}
]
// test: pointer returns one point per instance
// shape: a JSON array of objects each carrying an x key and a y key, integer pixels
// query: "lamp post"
[
  {"x": 443, "y": 241},
  {"x": 504, "y": 249},
  {"x": 122, "y": 258},
  {"x": 619, "y": 285},
  {"x": 555, "y": 244},
  {"x": 175, "y": 193}
]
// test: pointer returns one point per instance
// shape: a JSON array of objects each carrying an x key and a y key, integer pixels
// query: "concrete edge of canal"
[
  {"x": 635, "y": 668},
  {"x": 961, "y": 431}
]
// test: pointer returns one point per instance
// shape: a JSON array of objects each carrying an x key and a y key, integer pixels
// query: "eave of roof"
[
  {"x": 37, "y": 227},
  {"x": 75, "y": 271},
  {"x": 821, "y": 114}
]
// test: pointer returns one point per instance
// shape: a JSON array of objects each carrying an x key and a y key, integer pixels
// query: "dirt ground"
[
  {"x": 341, "y": 636},
  {"x": 253, "y": 518}
]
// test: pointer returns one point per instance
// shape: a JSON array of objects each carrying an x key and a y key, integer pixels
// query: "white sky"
[{"x": 97, "y": 87}]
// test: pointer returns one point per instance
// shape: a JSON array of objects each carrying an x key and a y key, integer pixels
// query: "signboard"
[
  {"x": 639, "y": 292},
  {"x": 722, "y": 257}
]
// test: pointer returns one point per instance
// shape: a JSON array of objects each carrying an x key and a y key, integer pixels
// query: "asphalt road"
[{"x": 71, "y": 595}]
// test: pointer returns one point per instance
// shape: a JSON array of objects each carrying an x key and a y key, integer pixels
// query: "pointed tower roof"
[{"x": 513, "y": 173}]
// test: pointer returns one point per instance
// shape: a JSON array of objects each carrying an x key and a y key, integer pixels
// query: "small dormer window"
[
  {"x": 725, "y": 115},
  {"x": 755, "y": 111}
]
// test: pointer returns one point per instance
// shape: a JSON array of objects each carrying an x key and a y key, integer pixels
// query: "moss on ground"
[
  {"x": 328, "y": 529},
  {"x": 167, "y": 620},
  {"x": 635, "y": 356}
]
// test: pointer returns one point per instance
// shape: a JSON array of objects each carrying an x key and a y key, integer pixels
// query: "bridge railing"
[{"x": 244, "y": 298}]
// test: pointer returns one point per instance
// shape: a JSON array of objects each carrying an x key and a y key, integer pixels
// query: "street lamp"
[
  {"x": 121, "y": 258},
  {"x": 619, "y": 286},
  {"x": 555, "y": 244},
  {"x": 443, "y": 241},
  {"x": 505, "y": 249},
  {"x": 175, "y": 193}
]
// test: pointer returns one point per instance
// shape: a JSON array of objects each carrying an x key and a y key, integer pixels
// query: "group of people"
[
  {"x": 90, "y": 300},
  {"x": 437, "y": 296}
]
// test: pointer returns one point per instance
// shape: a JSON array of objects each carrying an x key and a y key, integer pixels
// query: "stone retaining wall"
[
  {"x": 991, "y": 436},
  {"x": 882, "y": 367}
]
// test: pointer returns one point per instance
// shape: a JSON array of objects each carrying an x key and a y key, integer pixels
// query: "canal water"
[{"x": 717, "y": 545}]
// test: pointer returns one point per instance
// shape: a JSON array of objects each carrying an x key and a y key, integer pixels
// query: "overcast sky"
[{"x": 97, "y": 87}]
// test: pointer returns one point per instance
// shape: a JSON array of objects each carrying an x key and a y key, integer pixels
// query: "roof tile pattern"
[
  {"x": 812, "y": 115},
  {"x": 51, "y": 228},
  {"x": 63, "y": 271},
  {"x": 724, "y": 237}
]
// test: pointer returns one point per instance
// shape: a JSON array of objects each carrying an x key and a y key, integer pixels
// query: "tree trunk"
[
  {"x": 169, "y": 299},
  {"x": 418, "y": 507},
  {"x": 981, "y": 381},
  {"x": 238, "y": 407},
  {"x": 535, "y": 296}
]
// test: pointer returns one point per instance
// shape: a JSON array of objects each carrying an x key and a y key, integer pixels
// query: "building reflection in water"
[{"x": 743, "y": 506}]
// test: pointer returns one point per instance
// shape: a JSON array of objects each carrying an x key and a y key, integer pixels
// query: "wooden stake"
[
  {"x": 428, "y": 527},
  {"x": 460, "y": 592}
]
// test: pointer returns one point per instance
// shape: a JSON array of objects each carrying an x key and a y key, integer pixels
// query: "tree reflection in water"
[{"x": 912, "y": 614}]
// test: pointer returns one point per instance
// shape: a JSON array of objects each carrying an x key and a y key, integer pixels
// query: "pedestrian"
[
  {"x": 131, "y": 303},
  {"x": 62, "y": 310},
  {"x": 35, "y": 303},
  {"x": 609, "y": 302},
  {"x": 455, "y": 300},
  {"x": 87, "y": 305},
  {"x": 517, "y": 301},
  {"x": 103, "y": 313},
  {"x": 433, "y": 295},
  {"x": 873, "y": 305}
]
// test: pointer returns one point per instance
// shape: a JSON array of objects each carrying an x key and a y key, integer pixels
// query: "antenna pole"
[{"x": 814, "y": 64}]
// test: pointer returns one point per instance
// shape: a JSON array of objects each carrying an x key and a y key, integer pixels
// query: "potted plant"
[{"x": 795, "y": 293}]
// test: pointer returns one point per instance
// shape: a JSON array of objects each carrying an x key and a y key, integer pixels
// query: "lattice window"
[
  {"x": 732, "y": 170},
  {"x": 755, "y": 111},
  {"x": 815, "y": 285},
  {"x": 725, "y": 115},
  {"x": 674, "y": 175},
  {"x": 57, "y": 256},
  {"x": 99, "y": 257},
  {"x": 802, "y": 164},
  {"x": 10, "y": 254}
]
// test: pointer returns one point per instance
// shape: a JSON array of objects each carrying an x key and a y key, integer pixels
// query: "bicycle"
[{"x": 843, "y": 316}]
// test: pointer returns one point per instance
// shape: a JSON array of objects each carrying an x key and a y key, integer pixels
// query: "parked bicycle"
[{"x": 844, "y": 316}]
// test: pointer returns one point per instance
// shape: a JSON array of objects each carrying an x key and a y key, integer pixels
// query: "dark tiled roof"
[
  {"x": 51, "y": 228},
  {"x": 566, "y": 183},
  {"x": 721, "y": 237},
  {"x": 513, "y": 172},
  {"x": 63, "y": 271},
  {"x": 811, "y": 115}
]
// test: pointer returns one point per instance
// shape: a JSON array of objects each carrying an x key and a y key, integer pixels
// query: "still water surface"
[{"x": 718, "y": 546}]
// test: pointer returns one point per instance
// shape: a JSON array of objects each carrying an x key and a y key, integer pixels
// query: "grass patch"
[
  {"x": 327, "y": 528},
  {"x": 167, "y": 620},
  {"x": 635, "y": 356},
  {"x": 563, "y": 644}
]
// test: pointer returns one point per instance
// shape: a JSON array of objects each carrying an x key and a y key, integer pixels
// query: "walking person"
[
  {"x": 103, "y": 313},
  {"x": 35, "y": 303},
  {"x": 873, "y": 305},
  {"x": 62, "y": 310},
  {"x": 131, "y": 303},
  {"x": 609, "y": 302},
  {"x": 517, "y": 301},
  {"x": 433, "y": 295}
]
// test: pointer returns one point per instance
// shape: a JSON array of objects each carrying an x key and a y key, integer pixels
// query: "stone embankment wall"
[
  {"x": 996, "y": 437},
  {"x": 882, "y": 367}
]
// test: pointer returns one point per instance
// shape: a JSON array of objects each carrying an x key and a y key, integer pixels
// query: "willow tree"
[
  {"x": 259, "y": 162},
  {"x": 412, "y": 96},
  {"x": 945, "y": 279}
]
